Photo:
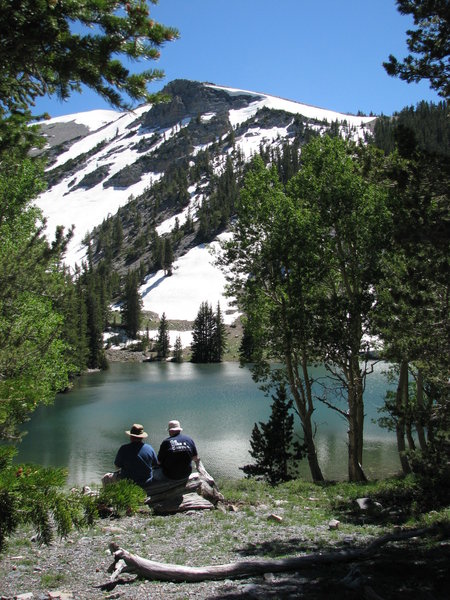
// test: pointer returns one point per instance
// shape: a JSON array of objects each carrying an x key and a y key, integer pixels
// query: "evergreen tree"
[
  {"x": 272, "y": 445},
  {"x": 163, "y": 339},
  {"x": 52, "y": 47},
  {"x": 178, "y": 351},
  {"x": 131, "y": 309},
  {"x": 34, "y": 361},
  {"x": 428, "y": 43},
  {"x": 94, "y": 330},
  {"x": 117, "y": 235},
  {"x": 219, "y": 336},
  {"x": 167, "y": 258},
  {"x": 203, "y": 335}
]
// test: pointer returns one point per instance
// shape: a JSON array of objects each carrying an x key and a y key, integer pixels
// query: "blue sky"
[{"x": 327, "y": 53}]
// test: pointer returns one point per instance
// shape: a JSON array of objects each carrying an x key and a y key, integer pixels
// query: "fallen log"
[
  {"x": 126, "y": 562},
  {"x": 198, "y": 492}
]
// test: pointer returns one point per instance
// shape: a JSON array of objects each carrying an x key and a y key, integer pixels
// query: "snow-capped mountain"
[{"x": 103, "y": 163}]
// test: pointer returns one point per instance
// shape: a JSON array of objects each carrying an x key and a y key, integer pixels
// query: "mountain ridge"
[{"x": 158, "y": 174}]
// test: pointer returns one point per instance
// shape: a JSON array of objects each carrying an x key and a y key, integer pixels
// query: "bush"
[
  {"x": 36, "y": 495},
  {"x": 121, "y": 498}
]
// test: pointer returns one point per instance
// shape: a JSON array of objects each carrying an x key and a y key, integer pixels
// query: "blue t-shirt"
[
  {"x": 136, "y": 461},
  {"x": 175, "y": 456}
]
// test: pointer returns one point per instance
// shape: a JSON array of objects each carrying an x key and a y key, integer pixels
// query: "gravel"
[{"x": 76, "y": 568}]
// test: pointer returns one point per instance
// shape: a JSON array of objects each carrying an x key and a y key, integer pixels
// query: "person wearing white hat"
[
  {"x": 177, "y": 452},
  {"x": 135, "y": 460}
]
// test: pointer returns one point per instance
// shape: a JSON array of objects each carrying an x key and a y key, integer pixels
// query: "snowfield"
[{"x": 195, "y": 278}]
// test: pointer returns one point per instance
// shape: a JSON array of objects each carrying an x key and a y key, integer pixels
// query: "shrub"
[
  {"x": 121, "y": 498},
  {"x": 36, "y": 495}
]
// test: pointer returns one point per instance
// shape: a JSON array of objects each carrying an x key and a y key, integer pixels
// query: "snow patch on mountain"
[
  {"x": 92, "y": 119},
  {"x": 195, "y": 279},
  {"x": 311, "y": 112}
]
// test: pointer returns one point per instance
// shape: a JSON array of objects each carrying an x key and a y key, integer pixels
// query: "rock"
[
  {"x": 26, "y": 596},
  {"x": 368, "y": 505},
  {"x": 334, "y": 524},
  {"x": 274, "y": 517}
]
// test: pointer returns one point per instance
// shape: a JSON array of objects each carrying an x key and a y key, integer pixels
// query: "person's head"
[
  {"x": 174, "y": 428},
  {"x": 137, "y": 433}
]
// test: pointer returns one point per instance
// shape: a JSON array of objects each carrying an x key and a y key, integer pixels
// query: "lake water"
[{"x": 216, "y": 404}]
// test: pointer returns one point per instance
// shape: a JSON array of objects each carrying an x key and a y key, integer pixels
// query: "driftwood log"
[
  {"x": 198, "y": 492},
  {"x": 126, "y": 562}
]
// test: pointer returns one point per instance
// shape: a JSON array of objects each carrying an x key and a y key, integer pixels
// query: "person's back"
[
  {"x": 134, "y": 460},
  {"x": 176, "y": 453}
]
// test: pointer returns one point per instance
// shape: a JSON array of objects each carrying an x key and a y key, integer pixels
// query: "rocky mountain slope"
[{"x": 133, "y": 182}]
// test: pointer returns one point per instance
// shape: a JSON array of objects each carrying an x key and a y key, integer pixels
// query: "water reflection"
[{"x": 216, "y": 404}]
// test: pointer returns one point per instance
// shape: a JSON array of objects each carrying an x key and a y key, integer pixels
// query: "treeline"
[{"x": 427, "y": 123}]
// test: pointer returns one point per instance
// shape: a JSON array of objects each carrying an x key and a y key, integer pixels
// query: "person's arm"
[
  {"x": 118, "y": 459},
  {"x": 162, "y": 452}
]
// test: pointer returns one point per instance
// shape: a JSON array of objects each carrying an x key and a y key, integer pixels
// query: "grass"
[{"x": 52, "y": 580}]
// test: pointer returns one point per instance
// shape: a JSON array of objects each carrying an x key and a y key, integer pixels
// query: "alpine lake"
[{"x": 217, "y": 404}]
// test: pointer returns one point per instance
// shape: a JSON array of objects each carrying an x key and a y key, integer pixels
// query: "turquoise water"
[{"x": 216, "y": 404}]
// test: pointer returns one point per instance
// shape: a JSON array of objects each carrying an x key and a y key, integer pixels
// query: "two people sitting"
[{"x": 138, "y": 461}]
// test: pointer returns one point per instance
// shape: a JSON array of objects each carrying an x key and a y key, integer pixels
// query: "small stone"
[
  {"x": 274, "y": 517},
  {"x": 369, "y": 505},
  {"x": 26, "y": 596},
  {"x": 333, "y": 524}
]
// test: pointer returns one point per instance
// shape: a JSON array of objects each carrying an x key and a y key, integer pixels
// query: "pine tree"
[
  {"x": 163, "y": 339},
  {"x": 167, "y": 259},
  {"x": 202, "y": 335},
  {"x": 219, "y": 336},
  {"x": 34, "y": 361},
  {"x": 54, "y": 47},
  {"x": 428, "y": 43},
  {"x": 178, "y": 351},
  {"x": 131, "y": 309},
  {"x": 272, "y": 445}
]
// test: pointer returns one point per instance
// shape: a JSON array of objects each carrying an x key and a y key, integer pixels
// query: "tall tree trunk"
[
  {"x": 401, "y": 400},
  {"x": 420, "y": 406},
  {"x": 301, "y": 391},
  {"x": 356, "y": 423},
  {"x": 313, "y": 461}
]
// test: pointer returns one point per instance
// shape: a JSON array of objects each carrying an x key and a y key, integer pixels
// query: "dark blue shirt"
[
  {"x": 175, "y": 456},
  {"x": 136, "y": 461}
]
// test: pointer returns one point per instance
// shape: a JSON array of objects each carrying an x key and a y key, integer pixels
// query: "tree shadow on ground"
[{"x": 399, "y": 571}]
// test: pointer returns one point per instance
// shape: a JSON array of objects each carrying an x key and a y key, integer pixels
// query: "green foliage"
[
  {"x": 272, "y": 445},
  {"x": 178, "y": 351},
  {"x": 428, "y": 43},
  {"x": 303, "y": 262},
  {"x": 33, "y": 359},
  {"x": 208, "y": 335},
  {"x": 36, "y": 495},
  {"x": 426, "y": 125},
  {"x": 56, "y": 47},
  {"x": 122, "y": 498},
  {"x": 131, "y": 308},
  {"x": 163, "y": 339},
  {"x": 412, "y": 299}
]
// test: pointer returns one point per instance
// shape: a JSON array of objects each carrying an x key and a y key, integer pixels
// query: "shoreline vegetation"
[{"x": 256, "y": 522}]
